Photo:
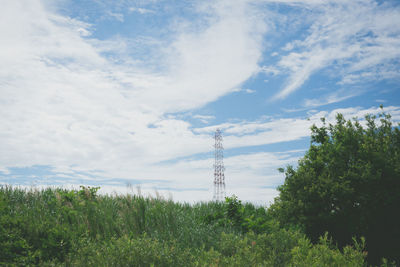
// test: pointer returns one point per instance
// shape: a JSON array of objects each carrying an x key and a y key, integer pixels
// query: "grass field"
[{"x": 57, "y": 227}]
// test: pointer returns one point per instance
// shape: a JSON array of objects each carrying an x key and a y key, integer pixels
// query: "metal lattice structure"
[{"x": 219, "y": 176}]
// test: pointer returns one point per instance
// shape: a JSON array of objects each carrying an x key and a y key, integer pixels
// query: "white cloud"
[
  {"x": 205, "y": 65},
  {"x": 204, "y": 118},
  {"x": 270, "y": 70},
  {"x": 335, "y": 97},
  {"x": 262, "y": 132},
  {"x": 141, "y": 10},
  {"x": 301, "y": 2},
  {"x": 244, "y": 90},
  {"x": 116, "y": 16},
  {"x": 250, "y": 91},
  {"x": 356, "y": 36}
]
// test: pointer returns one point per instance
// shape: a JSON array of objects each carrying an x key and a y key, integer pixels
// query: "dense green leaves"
[
  {"x": 56, "y": 227},
  {"x": 347, "y": 184}
]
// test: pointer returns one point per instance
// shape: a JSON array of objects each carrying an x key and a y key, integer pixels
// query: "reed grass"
[{"x": 58, "y": 227}]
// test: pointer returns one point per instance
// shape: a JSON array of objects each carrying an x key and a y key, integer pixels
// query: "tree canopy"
[{"x": 348, "y": 184}]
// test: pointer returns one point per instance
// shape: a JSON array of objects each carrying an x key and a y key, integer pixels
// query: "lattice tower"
[{"x": 219, "y": 176}]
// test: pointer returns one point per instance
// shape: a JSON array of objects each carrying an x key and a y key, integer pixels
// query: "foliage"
[
  {"x": 57, "y": 227},
  {"x": 13, "y": 247},
  {"x": 125, "y": 251},
  {"x": 347, "y": 184},
  {"x": 241, "y": 218},
  {"x": 324, "y": 253}
]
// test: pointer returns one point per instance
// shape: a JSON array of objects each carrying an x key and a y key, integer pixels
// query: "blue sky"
[{"x": 127, "y": 93}]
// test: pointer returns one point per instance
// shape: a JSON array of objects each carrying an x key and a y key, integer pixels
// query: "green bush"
[
  {"x": 13, "y": 246},
  {"x": 125, "y": 251},
  {"x": 326, "y": 254},
  {"x": 57, "y": 227},
  {"x": 347, "y": 184}
]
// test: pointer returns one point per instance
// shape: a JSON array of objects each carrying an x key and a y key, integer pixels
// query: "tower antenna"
[{"x": 219, "y": 176}]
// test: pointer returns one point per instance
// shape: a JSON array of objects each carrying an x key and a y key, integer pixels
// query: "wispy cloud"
[
  {"x": 270, "y": 70},
  {"x": 335, "y": 97},
  {"x": 116, "y": 16},
  {"x": 141, "y": 10},
  {"x": 355, "y": 37},
  {"x": 204, "y": 118},
  {"x": 244, "y": 90},
  {"x": 270, "y": 131}
]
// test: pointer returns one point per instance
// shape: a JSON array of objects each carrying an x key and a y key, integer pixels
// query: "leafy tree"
[{"x": 347, "y": 184}]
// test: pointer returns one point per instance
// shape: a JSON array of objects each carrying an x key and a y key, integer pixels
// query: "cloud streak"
[{"x": 355, "y": 37}]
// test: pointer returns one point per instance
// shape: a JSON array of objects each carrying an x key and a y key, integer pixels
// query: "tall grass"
[{"x": 58, "y": 227}]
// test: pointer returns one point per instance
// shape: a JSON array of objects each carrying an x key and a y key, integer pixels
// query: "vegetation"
[
  {"x": 56, "y": 227},
  {"x": 347, "y": 184},
  {"x": 344, "y": 189}
]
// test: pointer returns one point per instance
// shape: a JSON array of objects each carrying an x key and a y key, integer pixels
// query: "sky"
[{"x": 127, "y": 94}]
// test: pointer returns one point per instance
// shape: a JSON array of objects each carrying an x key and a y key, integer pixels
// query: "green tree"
[{"x": 347, "y": 184}]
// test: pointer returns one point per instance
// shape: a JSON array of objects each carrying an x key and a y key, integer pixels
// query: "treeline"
[{"x": 339, "y": 207}]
